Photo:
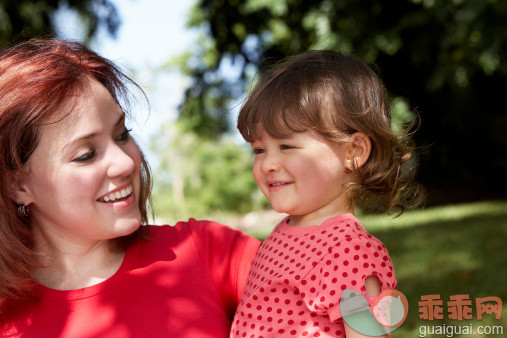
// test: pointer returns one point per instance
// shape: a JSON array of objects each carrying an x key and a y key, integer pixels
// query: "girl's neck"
[{"x": 319, "y": 216}]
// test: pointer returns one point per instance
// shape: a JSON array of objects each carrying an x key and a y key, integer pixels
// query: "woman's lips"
[{"x": 117, "y": 195}]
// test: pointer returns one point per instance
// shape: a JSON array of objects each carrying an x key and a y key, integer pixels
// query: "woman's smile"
[
  {"x": 117, "y": 195},
  {"x": 120, "y": 198},
  {"x": 92, "y": 159}
]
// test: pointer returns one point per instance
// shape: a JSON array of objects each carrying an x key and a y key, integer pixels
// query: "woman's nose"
[{"x": 120, "y": 162}]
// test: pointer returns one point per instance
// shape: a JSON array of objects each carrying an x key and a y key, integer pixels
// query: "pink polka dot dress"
[{"x": 298, "y": 276}]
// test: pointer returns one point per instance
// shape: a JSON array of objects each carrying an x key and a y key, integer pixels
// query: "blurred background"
[{"x": 197, "y": 59}]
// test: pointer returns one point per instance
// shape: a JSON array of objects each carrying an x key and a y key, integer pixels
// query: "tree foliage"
[
  {"x": 24, "y": 19},
  {"x": 447, "y": 58},
  {"x": 197, "y": 177}
]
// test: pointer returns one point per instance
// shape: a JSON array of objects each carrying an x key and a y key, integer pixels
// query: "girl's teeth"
[
  {"x": 123, "y": 193},
  {"x": 106, "y": 199}
]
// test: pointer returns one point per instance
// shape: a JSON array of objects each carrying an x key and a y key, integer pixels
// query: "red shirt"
[{"x": 185, "y": 282}]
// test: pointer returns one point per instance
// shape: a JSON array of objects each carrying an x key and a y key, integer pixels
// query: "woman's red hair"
[{"x": 36, "y": 78}]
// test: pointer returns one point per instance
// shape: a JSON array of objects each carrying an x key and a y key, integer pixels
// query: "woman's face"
[{"x": 84, "y": 181}]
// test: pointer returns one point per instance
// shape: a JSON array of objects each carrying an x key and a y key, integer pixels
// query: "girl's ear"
[{"x": 359, "y": 149}]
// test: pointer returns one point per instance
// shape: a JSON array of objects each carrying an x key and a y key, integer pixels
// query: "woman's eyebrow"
[
  {"x": 120, "y": 121},
  {"x": 91, "y": 135}
]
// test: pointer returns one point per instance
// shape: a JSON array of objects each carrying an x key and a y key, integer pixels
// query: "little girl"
[{"x": 320, "y": 128}]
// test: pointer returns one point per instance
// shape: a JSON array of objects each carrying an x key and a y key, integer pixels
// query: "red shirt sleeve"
[{"x": 227, "y": 255}]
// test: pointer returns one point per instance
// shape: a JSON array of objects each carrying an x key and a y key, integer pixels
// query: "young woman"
[{"x": 77, "y": 258}]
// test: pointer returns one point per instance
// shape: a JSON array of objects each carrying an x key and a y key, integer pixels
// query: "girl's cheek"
[{"x": 255, "y": 173}]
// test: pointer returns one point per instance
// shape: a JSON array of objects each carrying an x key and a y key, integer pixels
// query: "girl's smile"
[
  {"x": 303, "y": 175},
  {"x": 277, "y": 185}
]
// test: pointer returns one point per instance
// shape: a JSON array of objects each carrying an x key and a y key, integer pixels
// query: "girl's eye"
[
  {"x": 124, "y": 136},
  {"x": 286, "y": 146},
  {"x": 86, "y": 157},
  {"x": 258, "y": 151}
]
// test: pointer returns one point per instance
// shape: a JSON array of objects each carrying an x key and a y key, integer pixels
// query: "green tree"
[
  {"x": 25, "y": 19},
  {"x": 447, "y": 58},
  {"x": 197, "y": 176}
]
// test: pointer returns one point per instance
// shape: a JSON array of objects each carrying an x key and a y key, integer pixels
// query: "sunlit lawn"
[{"x": 451, "y": 250}]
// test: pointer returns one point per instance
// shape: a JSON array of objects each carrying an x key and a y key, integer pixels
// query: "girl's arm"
[{"x": 372, "y": 285}]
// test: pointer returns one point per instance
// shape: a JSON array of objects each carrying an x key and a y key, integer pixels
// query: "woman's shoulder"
[
  {"x": 197, "y": 230},
  {"x": 187, "y": 227},
  {"x": 183, "y": 239},
  {"x": 211, "y": 242}
]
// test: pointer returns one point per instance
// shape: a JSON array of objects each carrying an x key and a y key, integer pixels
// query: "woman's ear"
[
  {"x": 21, "y": 193},
  {"x": 359, "y": 149}
]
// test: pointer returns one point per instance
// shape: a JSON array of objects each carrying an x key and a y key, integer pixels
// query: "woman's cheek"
[{"x": 134, "y": 153}]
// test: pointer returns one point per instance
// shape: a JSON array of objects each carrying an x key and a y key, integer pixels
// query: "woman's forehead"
[{"x": 89, "y": 112}]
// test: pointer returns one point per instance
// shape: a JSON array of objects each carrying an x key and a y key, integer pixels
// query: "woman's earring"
[{"x": 22, "y": 210}]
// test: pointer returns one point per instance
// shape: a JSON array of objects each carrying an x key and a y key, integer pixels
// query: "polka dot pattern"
[{"x": 297, "y": 278}]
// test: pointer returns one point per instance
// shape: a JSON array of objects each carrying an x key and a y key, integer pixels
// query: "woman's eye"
[
  {"x": 286, "y": 146},
  {"x": 258, "y": 151},
  {"x": 124, "y": 136},
  {"x": 86, "y": 157}
]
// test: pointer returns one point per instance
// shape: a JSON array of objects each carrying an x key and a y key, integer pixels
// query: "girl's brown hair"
[
  {"x": 337, "y": 95},
  {"x": 36, "y": 78}
]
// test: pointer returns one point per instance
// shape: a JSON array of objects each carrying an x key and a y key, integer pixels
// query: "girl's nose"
[
  {"x": 270, "y": 163},
  {"x": 120, "y": 162}
]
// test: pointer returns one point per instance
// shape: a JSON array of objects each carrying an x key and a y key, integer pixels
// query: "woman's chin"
[{"x": 126, "y": 227}]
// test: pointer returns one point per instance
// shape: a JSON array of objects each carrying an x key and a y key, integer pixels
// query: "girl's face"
[
  {"x": 84, "y": 180},
  {"x": 303, "y": 176}
]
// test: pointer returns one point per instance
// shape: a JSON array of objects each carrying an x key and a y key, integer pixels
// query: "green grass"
[{"x": 450, "y": 250}]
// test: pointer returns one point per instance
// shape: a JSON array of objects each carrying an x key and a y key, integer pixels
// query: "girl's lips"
[{"x": 273, "y": 186}]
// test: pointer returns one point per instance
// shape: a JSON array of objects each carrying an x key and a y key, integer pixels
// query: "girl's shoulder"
[{"x": 337, "y": 227}]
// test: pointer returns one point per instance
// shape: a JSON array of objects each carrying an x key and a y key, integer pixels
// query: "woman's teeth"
[{"x": 117, "y": 195}]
